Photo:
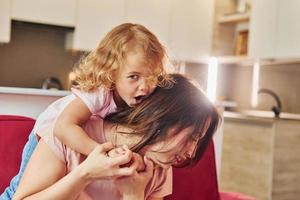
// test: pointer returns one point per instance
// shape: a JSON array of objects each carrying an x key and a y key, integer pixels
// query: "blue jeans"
[{"x": 27, "y": 151}]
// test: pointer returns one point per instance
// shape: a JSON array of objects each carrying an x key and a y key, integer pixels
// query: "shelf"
[
  {"x": 234, "y": 18},
  {"x": 241, "y": 60},
  {"x": 247, "y": 61},
  {"x": 279, "y": 61}
]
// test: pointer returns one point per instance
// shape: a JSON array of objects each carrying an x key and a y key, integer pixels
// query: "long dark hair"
[{"x": 181, "y": 106}]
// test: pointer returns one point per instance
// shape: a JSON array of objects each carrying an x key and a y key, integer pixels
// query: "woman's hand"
[
  {"x": 99, "y": 165},
  {"x": 133, "y": 187}
]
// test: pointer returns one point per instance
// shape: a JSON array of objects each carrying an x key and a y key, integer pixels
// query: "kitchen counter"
[
  {"x": 33, "y": 91},
  {"x": 260, "y": 115},
  {"x": 28, "y": 102},
  {"x": 260, "y": 154}
]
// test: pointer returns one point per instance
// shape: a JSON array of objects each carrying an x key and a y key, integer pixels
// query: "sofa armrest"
[
  {"x": 14, "y": 131},
  {"x": 199, "y": 182}
]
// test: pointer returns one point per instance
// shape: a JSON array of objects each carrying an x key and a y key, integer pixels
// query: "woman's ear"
[{"x": 158, "y": 146}]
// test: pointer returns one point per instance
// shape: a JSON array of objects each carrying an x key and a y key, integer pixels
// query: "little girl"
[
  {"x": 167, "y": 129},
  {"x": 124, "y": 69}
]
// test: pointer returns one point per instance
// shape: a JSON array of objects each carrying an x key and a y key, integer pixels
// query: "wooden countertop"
[{"x": 260, "y": 115}]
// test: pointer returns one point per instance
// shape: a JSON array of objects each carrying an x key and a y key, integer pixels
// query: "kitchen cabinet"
[
  {"x": 94, "y": 19},
  {"x": 288, "y": 29},
  {"x": 275, "y": 29},
  {"x": 191, "y": 28},
  {"x": 53, "y": 12},
  {"x": 5, "y": 21},
  {"x": 260, "y": 156},
  {"x": 154, "y": 14},
  {"x": 184, "y": 28},
  {"x": 262, "y": 29},
  {"x": 29, "y": 102}
]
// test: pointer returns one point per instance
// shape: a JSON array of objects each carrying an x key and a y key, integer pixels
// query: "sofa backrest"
[
  {"x": 14, "y": 131},
  {"x": 199, "y": 182}
]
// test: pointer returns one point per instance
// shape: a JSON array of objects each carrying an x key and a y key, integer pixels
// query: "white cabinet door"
[
  {"x": 191, "y": 29},
  {"x": 274, "y": 29},
  {"x": 184, "y": 28},
  {"x": 288, "y": 29},
  {"x": 55, "y": 12},
  {"x": 94, "y": 19},
  {"x": 262, "y": 29},
  {"x": 5, "y": 21},
  {"x": 154, "y": 15}
]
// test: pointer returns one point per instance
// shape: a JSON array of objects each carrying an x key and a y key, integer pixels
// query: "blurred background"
[
  {"x": 244, "y": 53},
  {"x": 41, "y": 39}
]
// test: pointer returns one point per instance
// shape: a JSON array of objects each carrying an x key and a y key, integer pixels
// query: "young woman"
[{"x": 170, "y": 128}]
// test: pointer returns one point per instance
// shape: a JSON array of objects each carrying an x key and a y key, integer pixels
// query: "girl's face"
[
  {"x": 174, "y": 150},
  {"x": 134, "y": 81}
]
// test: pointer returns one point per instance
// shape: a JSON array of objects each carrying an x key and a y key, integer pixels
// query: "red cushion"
[
  {"x": 199, "y": 182},
  {"x": 14, "y": 131},
  {"x": 234, "y": 196}
]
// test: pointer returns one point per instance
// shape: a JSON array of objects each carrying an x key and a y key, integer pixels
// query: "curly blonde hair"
[{"x": 98, "y": 66}]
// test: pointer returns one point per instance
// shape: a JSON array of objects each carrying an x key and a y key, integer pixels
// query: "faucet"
[{"x": 275, "y": 109}]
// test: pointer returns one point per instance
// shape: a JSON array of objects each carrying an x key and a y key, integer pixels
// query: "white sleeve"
[{"x": 95, "y": 101}]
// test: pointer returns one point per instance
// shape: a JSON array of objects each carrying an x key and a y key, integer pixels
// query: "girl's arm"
[
  {"x": 68, "y": 127},
  {"x": 49, "y": 181}
]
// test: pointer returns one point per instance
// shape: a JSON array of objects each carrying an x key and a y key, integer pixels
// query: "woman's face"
[{"x": 173, "y": 151}]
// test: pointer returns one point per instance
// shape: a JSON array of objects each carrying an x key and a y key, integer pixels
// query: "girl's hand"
[
  {"x": 133, "y": 187},
  {"x": 136, "y": 160},
  {"x": 98, "y": 165}
]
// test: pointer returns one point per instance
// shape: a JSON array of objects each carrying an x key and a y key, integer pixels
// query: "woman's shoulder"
[{"x": 94, "y": 128}]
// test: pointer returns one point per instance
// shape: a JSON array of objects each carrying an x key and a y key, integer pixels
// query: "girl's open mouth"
[{"x": 140, "y": 98}]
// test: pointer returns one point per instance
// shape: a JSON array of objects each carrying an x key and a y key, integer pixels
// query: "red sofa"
[
  {"x": 14, "y": 131},
  {"x": 197, "y": 183}
]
